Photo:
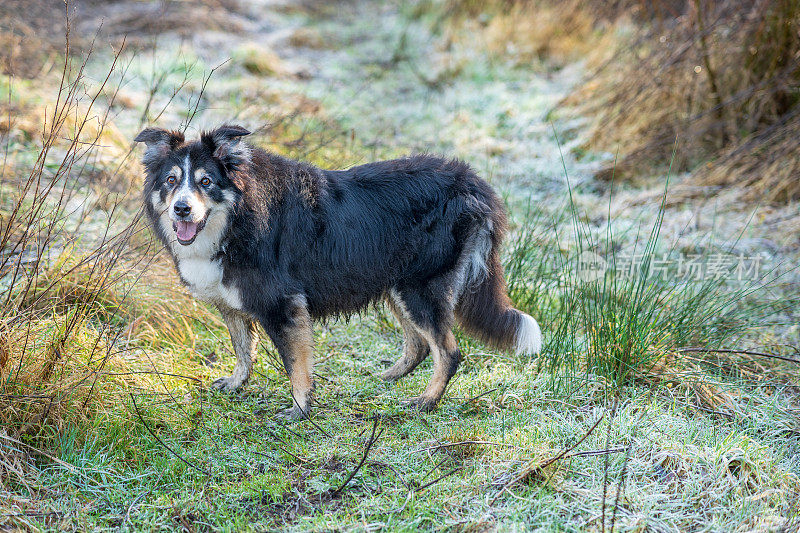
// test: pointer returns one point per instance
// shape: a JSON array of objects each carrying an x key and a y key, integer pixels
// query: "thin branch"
[
  {"x": 438, "y": 479},
  {"x": 743, "y": 352},
  {"x": 372, "y": 440},
  {"x": 466, "y": 443},
  {"x": 164, "y": 444},
  {"x": 550, "y": 461},
  {"x": 594, "y": 453}
]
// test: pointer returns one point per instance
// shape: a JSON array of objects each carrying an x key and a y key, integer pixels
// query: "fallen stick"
[
  {"x": 744, "y": 352},
  {"x": 372, "y": 440},
  {"x": 465, "y": 443},
  {"x": 592, "y": 453},
  {"x": 438, "y": 479},
  {"x": 547, "y": 463},
  {"x": 164, "y": 444}
]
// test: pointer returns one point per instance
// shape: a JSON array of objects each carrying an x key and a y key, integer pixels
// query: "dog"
[{"x": 279, "y": 243}]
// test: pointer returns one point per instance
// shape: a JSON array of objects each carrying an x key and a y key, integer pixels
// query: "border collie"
[{"x": 279, "y": 243}]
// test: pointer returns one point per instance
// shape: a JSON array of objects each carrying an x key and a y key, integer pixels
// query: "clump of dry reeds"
[
  {"x": 531, "y": 31},
  {"x": 723, "y": 78},
  {"x": 70, "y": 258}
]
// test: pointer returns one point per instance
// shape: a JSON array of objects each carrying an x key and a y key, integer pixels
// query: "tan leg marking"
[
  {"x": 244, "y": 337},
  {"x": 445, "y": 359},
  {"x": 415, "y": 347},
  {"x": 299, "y": 361}
]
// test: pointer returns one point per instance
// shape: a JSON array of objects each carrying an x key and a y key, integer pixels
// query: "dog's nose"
[{"x": 182, "y": 209}]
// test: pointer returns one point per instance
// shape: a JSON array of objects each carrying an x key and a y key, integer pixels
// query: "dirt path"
[{"x": 381, "y": 74}]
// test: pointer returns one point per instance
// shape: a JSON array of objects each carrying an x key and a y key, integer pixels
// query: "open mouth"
[{"x": 186, "y": 231}]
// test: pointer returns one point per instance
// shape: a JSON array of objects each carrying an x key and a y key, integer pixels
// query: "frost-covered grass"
[{"x": 680, "y": 467}]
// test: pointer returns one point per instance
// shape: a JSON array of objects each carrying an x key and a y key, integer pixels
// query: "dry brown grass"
[
  {"x": 685, "y": 377},
  {"x": 722, "y": 78},
  {"x": 31, "y": 37},
  {"x": 305, "y": 37},
  {"x": 531, "y": 31},
  {"x": 56, "y": 371},
  {"x": 766, "y": 163},
  {"x": 260, "y": 60},
  {"x": 141, "y": 21}
]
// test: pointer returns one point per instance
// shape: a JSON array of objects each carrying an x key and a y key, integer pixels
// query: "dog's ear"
[
  {"x": 225, "y": 143},
  {"x": 159, "y": 141}
]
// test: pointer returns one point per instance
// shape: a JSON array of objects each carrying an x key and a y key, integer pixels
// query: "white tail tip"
[{"x": 529, "y": 336}]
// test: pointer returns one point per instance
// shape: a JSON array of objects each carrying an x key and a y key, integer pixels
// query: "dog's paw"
[
  {"x": 227, "y": 384},
  {"x": 389, "y": 375},
  {"x": 292, "y": 414},
  {"x": 421, "y": 403}
]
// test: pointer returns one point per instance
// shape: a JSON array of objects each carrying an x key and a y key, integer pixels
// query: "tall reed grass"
[{"x": 620, "y": 306}]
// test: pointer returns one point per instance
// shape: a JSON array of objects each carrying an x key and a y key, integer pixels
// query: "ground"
[{"x": 517, "y": 443}]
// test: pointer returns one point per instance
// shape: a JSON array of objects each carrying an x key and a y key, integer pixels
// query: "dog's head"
[{"x": 189, "y": 190}]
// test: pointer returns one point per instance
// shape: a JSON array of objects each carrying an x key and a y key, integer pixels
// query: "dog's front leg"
[
  {"x": 244, "y": 337},
  {"x": 292, "y": 335}
]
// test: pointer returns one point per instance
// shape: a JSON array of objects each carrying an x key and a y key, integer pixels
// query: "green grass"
[
  {"x": 679, "y": 442},
  {"x": 249, "y": 470}
]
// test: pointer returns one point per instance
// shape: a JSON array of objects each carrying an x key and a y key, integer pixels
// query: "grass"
[
  {"x": 613, "y": 428},
  {"x": 264, "y": 475}
]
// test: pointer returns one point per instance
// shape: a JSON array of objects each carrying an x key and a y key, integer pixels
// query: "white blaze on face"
[{"x": 187, "y": 226}]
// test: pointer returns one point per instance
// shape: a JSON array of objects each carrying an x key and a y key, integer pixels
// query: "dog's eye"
[
  {"x": 205, "y": 182},
  {"x": 171, "y": 180}
]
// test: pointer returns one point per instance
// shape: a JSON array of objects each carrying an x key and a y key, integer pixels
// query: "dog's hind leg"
[
  {"x": 294, "y": 339},
  {"x": 446, "y": 358},
  {"x": 244, "y": 337},
  {"x": 415, "y": 347},
  {"x": 430, "y": 311}
]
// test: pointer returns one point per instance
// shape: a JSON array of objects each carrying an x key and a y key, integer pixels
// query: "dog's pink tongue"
[{"x": 186, "y": 230}]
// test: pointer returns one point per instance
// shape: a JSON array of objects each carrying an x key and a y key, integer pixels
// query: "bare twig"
[
  {"x": 193, "y": 110},
  {"x": 466, "y": 443},
  {"x": 620, "y": 487},
  {"x": 605, "y": 468},
  {"x": 481, "y": 395},
  {"x": 395, "y": 472},
  {"x": 743, "y": 352},
  {"x": 438, "y": 479},
  {"x": 548, "y": 462},
  {"x": 164, "y": 444},
  {"x": 594, "y": 453},
  {"x": 372, "y": 440},
  {"x": 156, "y": 372}
]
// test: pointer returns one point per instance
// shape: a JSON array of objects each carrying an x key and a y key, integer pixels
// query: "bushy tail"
[{"x": 484, "y": 311}]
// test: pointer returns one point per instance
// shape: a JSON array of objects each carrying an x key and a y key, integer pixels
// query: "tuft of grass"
[
  {"x": 304, "y": 37},
  {"x": 260, "y": 60},
  {"x": 621, "y": 317}
]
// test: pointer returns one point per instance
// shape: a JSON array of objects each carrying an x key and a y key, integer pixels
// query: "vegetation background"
[{"x": 660, "y": 137}]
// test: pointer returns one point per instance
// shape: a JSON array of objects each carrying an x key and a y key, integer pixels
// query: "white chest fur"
[{"x": 204, "y": 278}]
